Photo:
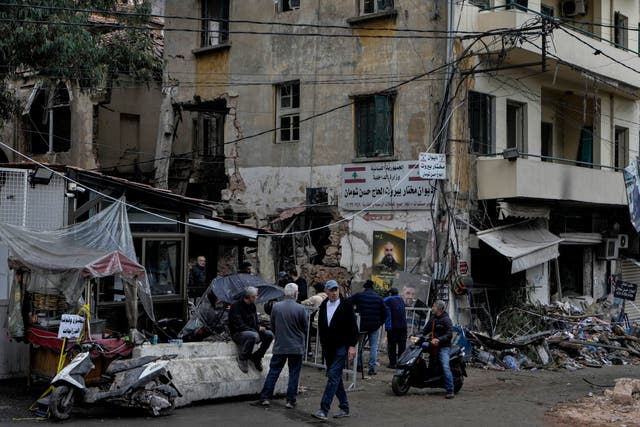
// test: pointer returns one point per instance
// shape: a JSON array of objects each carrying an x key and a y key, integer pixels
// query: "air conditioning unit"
[
  {"x": 321, "y": 196},
  {"x": 623, "y": 241},
  {"x": 608, "y": 249},
  {"x": 574, "y": 8}
]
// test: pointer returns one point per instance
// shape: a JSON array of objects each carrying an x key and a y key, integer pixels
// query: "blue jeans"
[
  {"x": 444, "y": 355},
  {"x": 336, "y": 360},
  {"x": 275, "y": 367},
  {"x": 374, "y": 340}
]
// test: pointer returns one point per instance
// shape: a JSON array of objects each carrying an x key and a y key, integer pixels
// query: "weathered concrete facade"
[{"x": 336, "y": 52}]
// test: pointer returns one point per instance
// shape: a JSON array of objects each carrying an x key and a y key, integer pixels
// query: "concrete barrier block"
[
  {"x": 209, "y": 370},
  {"x": 625, "y": 389}
]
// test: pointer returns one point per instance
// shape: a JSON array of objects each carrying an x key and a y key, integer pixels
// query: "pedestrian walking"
[
  {"x": 289, "y": 325},
  {"x": 338, "y": 332},
  {"x": 396, "y": 326},
  {"x": 370, "y": 306}
]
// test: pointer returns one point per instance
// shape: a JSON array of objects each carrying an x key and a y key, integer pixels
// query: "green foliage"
[{"x": 55, "y": 39}]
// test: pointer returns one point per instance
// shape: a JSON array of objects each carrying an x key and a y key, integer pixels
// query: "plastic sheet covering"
[{"x": 60, "y": 260}]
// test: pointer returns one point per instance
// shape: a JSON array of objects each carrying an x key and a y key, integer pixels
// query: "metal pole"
[{"x": 50, "y": 131}]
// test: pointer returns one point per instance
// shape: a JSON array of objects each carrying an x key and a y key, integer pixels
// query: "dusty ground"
[
  {"x": 595, "y": 411},
  {"x": 488, "y": 398}
]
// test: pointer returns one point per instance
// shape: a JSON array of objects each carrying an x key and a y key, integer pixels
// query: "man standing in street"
[
  {"x": 441, "y": 329},
  {"x": 396, "y": 326},
  {"x": 246, "y": 332},
  {"x": 301, "y": 282},
  {"x": 197, "y": 278},
  {"x": 289, "y": 324},
  {"x": 372, "y": 315},
  {"x": 338, "y": 332}
]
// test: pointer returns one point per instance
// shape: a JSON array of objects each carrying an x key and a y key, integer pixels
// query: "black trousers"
[{"x": 396, "y": 344}]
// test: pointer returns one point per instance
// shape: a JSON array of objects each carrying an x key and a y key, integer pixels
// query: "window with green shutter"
[{"x": 374, "y": 126}]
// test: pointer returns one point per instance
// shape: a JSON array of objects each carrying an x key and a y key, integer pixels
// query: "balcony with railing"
[{"x": 580, "y": 38}]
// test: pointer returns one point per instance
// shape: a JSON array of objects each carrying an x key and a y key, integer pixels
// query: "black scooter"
[{"x": 415, "y": 370}]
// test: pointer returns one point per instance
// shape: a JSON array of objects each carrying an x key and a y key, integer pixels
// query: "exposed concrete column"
[
  {"x": 82, "y": 149},
  {"x": 164, "y": 140},
  {"x": 266, "y": 269}
]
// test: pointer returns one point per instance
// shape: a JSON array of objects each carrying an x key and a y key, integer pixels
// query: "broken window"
[
  {"x": 209, "y": 134},
  {"x": 374, "y": 125},
  {"x": 48, "y": 121},
  {"x": 373, "y": 6},
  {"x": 287, "y": 5},
  {"x": 481, "y": 122},
  {"x": 288, "y": 111},
  {"x": 620, "y": 33},
  {"x": 516, "y": 126},
  {"x": 215, "y": 14}
]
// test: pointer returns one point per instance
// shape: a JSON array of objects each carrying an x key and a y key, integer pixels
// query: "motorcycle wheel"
[
  {"x": 61, "y": 402},
  {"x": 458, "y": 380},
  {"x": 400, "y": 384}
]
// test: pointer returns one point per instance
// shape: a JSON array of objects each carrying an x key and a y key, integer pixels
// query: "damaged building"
[{"x": 281, "y": 106}]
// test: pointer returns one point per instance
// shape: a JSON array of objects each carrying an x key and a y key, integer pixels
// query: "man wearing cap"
[
  {"x": 396, "y": 326},
  {"x": 372, "y": 315},
  {"x": 338, "y": 332}
]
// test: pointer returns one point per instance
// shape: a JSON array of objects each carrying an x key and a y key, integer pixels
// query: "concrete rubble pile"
[{"x": 562, "y": 335}]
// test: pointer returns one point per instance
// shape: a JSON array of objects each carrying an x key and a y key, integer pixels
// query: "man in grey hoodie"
[{"x": 289, "y": 323}]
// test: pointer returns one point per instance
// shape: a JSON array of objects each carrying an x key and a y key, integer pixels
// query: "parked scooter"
[
  {"x": 144, "y": 382},
  {"x": 414, "y": 369}
]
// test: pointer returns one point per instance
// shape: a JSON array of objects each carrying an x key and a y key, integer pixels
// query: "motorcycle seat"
[{"x": 124, "y": 365}]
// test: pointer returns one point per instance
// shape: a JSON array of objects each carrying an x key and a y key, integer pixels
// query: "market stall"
[{"x": 54, "y": 275}]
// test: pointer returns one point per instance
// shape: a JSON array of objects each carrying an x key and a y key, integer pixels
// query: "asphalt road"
[{"x": 488, "y": 398}]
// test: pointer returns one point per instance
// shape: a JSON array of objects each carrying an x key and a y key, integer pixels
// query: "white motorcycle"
[{"x": 144, "y": 382}]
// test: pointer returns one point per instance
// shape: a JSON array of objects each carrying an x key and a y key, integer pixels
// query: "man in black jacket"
[
  {"x": 246, "y": 332},
  {"x": 338, "y": 332},
  {"x": 372, "y": 312},
  {"x": 441, "y": 328}
]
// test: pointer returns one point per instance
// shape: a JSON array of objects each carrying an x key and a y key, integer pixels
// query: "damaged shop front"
[
  {"x": 545, "y": 252},
  {"x": 166, "y": 231},
  {"x": 378, "y": 227}
]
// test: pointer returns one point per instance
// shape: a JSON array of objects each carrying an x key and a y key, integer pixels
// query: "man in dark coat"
[
  {"x": 372, "y": 315},
  {"x": 246, "y": 332},
  {"x": 338, "y": 332},
  {"x": 396, "y": 326},
  {"x": 197, "y": 278},
  {"x": 301, "y": 282},
  {"x": 441, "y": 329}
]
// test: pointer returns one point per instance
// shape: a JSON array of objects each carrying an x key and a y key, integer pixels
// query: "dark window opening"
[
  {"x": 49, "y": 112},
  {"x": 546, "y": 149},
  {"x": 481, "y": 122},
  {"x": 516, "y": 126},
  {"x": 374, "y": 125},
  {"x": 547, "y": 10},
  {"x": 373, "y": 6},
  {"x": 621, "y": 144},
  {"x": 519, "y": 4},
  {"x": 215, "y": 14},
  {"x": 620, "y": 32},
  {"x": 288, "y": 5}
]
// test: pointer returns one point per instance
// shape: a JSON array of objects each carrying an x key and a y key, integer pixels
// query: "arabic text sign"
[
  {"x": 433, "y": 166},
  {"x": 70, "y": 326},
  {"x": 385, "y": 186},
  {"x": 625, "y": 290}
]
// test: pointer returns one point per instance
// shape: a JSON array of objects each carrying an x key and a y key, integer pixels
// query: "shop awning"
[
  {"x": 526, "y": 244},
  {"x": 217, "y": 227}
]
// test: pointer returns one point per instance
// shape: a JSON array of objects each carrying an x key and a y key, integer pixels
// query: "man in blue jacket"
[
  {"x": 396, "y": 326},
  {"x": 372, "y": 315}
]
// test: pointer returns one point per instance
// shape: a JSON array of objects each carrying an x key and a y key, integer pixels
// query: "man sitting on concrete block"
[{"x": 246, "y": 332}]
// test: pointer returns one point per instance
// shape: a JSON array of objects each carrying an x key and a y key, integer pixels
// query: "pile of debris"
[
  {"x": 558, "y": 336},
  {"x": 617, "y": 406}
]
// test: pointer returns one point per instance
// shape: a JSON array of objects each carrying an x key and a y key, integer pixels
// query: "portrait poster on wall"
[{"x": 388, "y": 257}]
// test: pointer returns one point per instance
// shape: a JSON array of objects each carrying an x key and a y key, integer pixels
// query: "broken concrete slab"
[
  {"x": 625, "y": 390},
  {"x": 209, "y": 370}
]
